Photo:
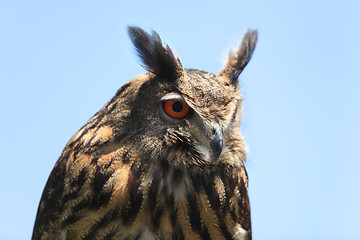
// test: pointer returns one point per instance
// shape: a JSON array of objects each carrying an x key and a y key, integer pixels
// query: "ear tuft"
[
  {"x": 156, "y": 58},
  {"x": 238, "y": 61}
]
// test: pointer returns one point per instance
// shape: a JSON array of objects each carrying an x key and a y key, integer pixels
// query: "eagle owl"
[{"x": 163, "y": 159}]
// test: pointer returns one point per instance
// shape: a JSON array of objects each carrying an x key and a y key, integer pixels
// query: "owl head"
[{"x": 189, "y": 115}]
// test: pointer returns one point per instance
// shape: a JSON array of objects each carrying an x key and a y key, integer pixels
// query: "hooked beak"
[
  {"x": 216, "y": 143},
  {"x": 210, "y": 139}
]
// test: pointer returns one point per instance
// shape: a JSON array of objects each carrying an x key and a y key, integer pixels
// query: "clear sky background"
[{"x": 61, "y": 61}]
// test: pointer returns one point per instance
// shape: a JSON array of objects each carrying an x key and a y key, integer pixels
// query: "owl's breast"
[{"x": 194, "y": 203}]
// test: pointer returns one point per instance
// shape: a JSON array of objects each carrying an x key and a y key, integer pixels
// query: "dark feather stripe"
[
  {"x": 229, "y": 180},
  {"x": 101, "y": 176},
  {"x": 244, "y": 207},
  {"x": 225, "y": 232},
  {"x": 211, "y": 192},
  {"x": 153, "y": 190},
  {"x": 131, "y": 207},
  {"x": 101, "y": 195},
  {"x": 156, "y": 216},
  {"x": 101, "y": 199},
  {"x": 174, "y": 217},
  {"x": 178, "y": 174},
  {"x": 205, "y": 182},
  {"x": 229, "y": 185},
  {"x": 204, "y": 234},
  {"x": 73, "y": 218},
  {"x": 155, "y": 208},
  {"x": 199, "y": 180},
  {"x": 177, "y": 233},
  {"x": 103, "y": 223},
  {"x": 76, "y": 212},
  {"x": 193, "y": 212},
  {"x": 195, "y": 217},
  {"x": 135, "y": 197},
  {"x": 75, "y": 187},
  {"x": 81, "y": 205}
]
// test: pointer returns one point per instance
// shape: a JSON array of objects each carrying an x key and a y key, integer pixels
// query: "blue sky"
[{"x": 60, "y": 62}]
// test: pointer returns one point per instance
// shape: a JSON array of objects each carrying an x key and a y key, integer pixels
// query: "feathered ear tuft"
[
  {"x": 156, "y": 58},
  {"x": 238, "y": 61}
]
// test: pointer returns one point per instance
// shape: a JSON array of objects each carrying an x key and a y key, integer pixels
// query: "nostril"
[{"x": 213, "y": 131}]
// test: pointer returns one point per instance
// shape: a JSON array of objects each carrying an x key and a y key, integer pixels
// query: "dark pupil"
[{"x": 177, "y": 106}]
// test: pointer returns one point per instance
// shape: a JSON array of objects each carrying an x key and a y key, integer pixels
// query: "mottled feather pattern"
[{"x": 134, "y": 173}]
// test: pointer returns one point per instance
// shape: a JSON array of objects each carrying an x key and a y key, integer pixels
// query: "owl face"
[
  {"x": 202, "y": 110},
  {"x": 187, "y": 112}
]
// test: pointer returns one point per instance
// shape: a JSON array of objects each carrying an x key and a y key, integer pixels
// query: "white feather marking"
[{"x": 240, "y": 233}]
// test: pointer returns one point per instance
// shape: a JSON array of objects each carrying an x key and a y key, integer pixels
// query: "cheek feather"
[{"x": 204, "y": 151}]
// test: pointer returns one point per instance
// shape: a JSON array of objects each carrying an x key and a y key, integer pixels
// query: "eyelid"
[{"x": 172, "y": 95}]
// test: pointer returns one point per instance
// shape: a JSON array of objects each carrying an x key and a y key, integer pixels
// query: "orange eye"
[{"x": 176, "y": 108}]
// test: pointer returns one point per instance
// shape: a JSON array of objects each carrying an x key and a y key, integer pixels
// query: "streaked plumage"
[{"x": 135, "y": 172}]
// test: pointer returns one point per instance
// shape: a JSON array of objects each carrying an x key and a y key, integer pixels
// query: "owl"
[{"x": 163, "y": 159}]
